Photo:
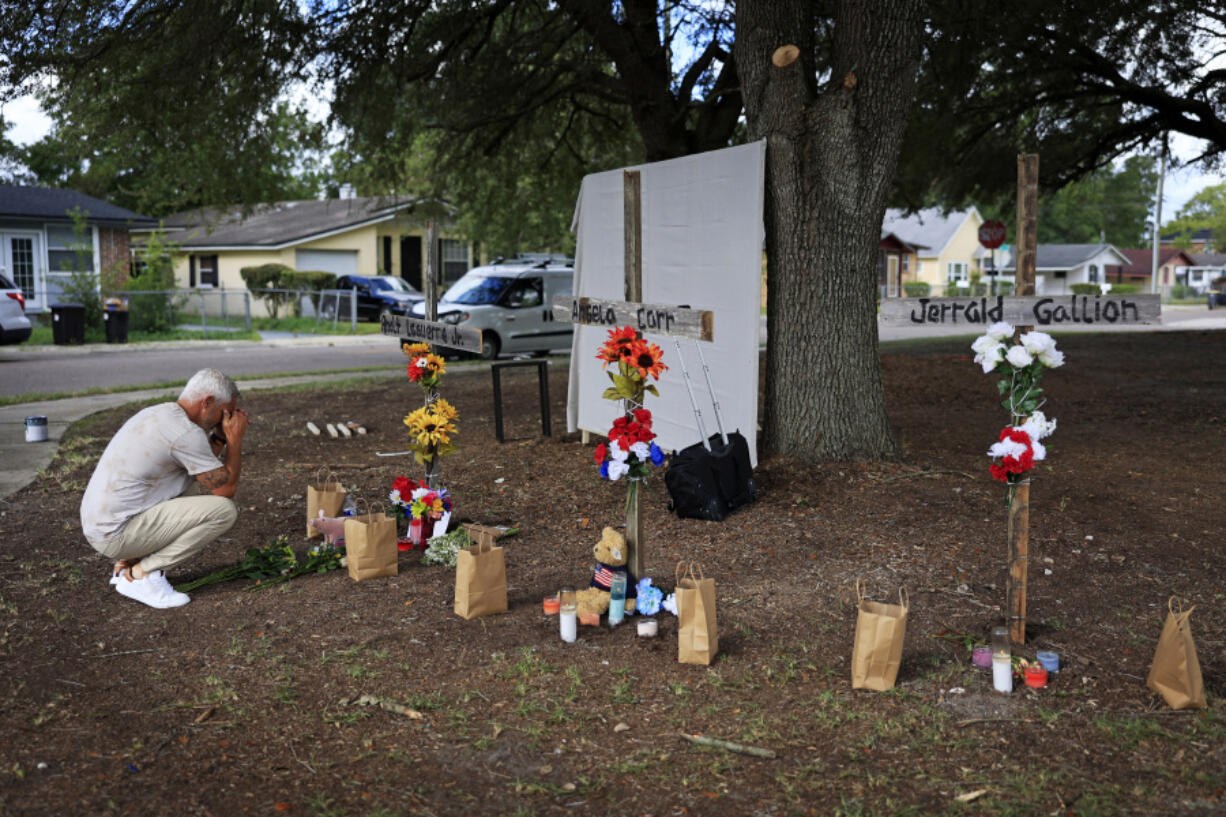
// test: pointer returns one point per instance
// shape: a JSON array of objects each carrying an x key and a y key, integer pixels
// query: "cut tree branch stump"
[{"x": 728, "y": 746}]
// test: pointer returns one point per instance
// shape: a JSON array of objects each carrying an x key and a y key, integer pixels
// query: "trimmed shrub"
[
  {"x": 1085, "y": 289},
  {"x": 1125, "y": 289},
  {"x": 916, "y": 289},
  {"x": 309, "y": 282},
  {"x": 264, "y": 278}
]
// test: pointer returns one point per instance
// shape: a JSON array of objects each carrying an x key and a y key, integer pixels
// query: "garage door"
[{"x": 341, "y": 262}]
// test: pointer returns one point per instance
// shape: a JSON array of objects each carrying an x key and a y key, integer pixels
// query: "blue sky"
[{"x": 27, "y": 123}]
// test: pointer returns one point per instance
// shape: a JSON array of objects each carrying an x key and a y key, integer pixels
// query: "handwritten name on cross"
[
  {"x": 432, "y": 332},
  {"x": 678, "y": 321},
  {"x": 1049, "y": 312}
]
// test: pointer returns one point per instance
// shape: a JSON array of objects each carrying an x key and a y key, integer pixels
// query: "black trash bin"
[
  {"x": 67, "y": 323},
  {"x": 115, "y": 318}
]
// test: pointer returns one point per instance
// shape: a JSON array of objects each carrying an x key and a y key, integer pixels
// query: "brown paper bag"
[
  {"x": 324, "y": 494},
  {"x": 370, "y": 544},
  {"x": 877, "y": 651},
  {"x": 697, "y": 633},
  {"x": 1175, "y": 673},
  {"x": 480, "y": 577}
]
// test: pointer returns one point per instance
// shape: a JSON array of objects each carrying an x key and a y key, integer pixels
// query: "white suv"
[
  {"x": 511, "y": 303},
  {"x": 14, "y": 325}
]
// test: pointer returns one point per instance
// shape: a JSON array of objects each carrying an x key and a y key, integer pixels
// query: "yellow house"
[
  {"x": 349, "y": 236},
  {"x": 947, "y": 249}
]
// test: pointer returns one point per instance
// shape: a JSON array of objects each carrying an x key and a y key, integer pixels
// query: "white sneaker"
[{"x": 152, "y": 590}]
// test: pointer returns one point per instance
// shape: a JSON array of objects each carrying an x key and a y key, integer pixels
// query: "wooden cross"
[
  {"x": 656, "y": 318},
  {"x": 1024, "y": 311}
]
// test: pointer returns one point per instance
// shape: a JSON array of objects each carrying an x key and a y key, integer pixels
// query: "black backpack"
[{"x": 711, "y": 484}]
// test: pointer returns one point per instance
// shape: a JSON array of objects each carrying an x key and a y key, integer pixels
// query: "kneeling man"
[{"x": 159, "y": 493}]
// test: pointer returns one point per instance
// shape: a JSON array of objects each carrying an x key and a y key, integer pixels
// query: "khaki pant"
[{"x": 172, "y": 532}]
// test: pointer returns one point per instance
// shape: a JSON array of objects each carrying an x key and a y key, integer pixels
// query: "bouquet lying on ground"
[
  {"x": 415, "y": 500},
  {"x": 1021, "y": 367},
  {"x": 273, "y": 564}
]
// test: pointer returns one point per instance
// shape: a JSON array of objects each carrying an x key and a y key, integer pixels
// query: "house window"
[
  {"x": 455, "y": 259},
  {"x": 956, "y": 271},
  {"x": 68, "y": 251},
  {"x": 203, "y": 270},
  {"x": 1093, "y": 274},
  {"x": 386, "y": 267}
]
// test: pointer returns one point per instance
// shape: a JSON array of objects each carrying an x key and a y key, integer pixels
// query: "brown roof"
[{"x": 1141, "y": 262}]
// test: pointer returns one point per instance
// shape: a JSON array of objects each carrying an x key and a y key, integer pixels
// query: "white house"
[{"x": 1058, "y": 266}]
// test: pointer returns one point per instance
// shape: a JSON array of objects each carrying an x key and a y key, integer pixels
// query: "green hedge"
[
  {"x": 1085, "y": 289},
  {"x": 267, "y": 277},
  {"x": 916, "y": 289},
  {"x": 1125, "y": 289}
]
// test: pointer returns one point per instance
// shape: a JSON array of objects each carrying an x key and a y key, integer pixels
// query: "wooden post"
[
  {"x": 431, "y": 308},
  {"x": 1019, "y": 506},
  {"x": 633, "y": 230}
]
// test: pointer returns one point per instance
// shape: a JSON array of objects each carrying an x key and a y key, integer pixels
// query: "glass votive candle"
[
  {"x": 981, "y": 656},
  {"x": 551, "y": 605},
  {"x": 647, "y": 627},
  {"x": 589, "y": 619},
  {"x": 1035, "y": 676},
  {"x": 567, "y": 605},
  {"x": 1049, "y": 660}
]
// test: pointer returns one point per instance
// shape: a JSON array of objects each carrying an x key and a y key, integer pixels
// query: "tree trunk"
[{"x": 830, "y": 160}]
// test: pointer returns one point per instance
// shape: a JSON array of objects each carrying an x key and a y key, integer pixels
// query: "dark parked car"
[
  {"x": 377, "y": 295},
  {"x": 14, "y": 325},
  {"x": 1217, "y": 299}
]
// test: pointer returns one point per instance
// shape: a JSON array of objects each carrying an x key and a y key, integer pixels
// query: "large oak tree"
[{"x": 946, "y": 91}]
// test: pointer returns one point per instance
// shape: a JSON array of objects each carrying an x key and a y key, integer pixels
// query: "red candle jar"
[
  {"x": 1036, "y": 677},
  {"x": 589, "y": 619},
  {"x": 551, "y": 605}
]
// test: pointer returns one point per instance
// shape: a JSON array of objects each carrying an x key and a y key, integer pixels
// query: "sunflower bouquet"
[
  {"x": 431, "y": 428},
  {"x": 425, "y": 368}
]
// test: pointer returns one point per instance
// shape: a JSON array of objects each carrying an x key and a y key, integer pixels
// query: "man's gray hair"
[{"x": 209, "y": 383}]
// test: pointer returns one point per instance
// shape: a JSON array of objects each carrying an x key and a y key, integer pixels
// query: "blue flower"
[
  {"x": 648, "y": 598},
  {"x": 657, "y": 455},
  {"x": 604, "y": 469}
]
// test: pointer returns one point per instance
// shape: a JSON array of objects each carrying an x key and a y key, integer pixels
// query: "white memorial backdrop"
[{"x": 702, "y": 247}]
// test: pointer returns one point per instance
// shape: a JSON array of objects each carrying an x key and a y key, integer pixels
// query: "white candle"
[
  {"x": 570, "y": 627},
  {"x": 647, "y": 627},
  {"x": 1002, "y": 675}
]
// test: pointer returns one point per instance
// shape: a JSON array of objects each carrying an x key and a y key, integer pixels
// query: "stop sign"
[{"x": 992, "y": 234}]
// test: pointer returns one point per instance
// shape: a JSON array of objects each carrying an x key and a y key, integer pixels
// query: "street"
[{"x": 63, "y": 369}]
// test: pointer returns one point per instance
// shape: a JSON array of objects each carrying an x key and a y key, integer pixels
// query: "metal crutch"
[
  {"x": 689, "y": 389},
  {"x": 719, "y": 421}
]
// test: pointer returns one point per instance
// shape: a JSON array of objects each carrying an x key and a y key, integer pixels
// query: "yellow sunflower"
[
  {"x": 412, "y": 350},
  {"x": 435, "y": 365},
  {"x": 444, "y": 410}
]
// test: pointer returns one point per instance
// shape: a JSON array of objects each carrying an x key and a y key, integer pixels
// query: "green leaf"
[
  {"x": 611, "y": 394},
  {"x": 627, "y": 387},
  {"x": 652, "y": 389}
]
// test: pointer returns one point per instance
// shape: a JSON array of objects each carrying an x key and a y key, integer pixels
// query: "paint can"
[{"x": 36, "y": 429}]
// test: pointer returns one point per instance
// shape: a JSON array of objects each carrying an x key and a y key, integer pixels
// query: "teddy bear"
[{"x": 610, "y": 553}]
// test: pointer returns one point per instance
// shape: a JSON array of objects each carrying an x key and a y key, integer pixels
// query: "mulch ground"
[{"x": 248, "y": 702}]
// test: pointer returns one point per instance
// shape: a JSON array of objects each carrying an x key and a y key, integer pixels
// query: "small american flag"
[{"x": 603, "y": 577}]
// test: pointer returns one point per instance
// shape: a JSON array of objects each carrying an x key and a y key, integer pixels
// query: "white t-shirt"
[{"x": 151, "y": 459}]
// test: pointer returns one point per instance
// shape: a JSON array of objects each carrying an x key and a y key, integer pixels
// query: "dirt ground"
[{"x": 243, "y": 702}]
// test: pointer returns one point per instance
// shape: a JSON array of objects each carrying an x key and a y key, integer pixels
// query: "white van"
[{"x": 511, "y": 303}]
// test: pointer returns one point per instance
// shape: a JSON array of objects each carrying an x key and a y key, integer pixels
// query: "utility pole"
[{"x": 1153, "y": 275}]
